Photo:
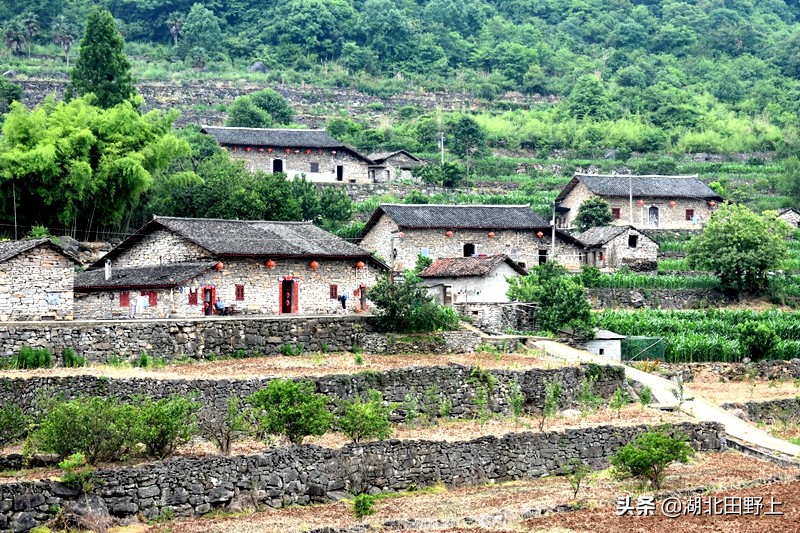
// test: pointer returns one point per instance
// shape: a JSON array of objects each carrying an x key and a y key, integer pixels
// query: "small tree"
[
  {"x": 756, "y": 339},
  {"x": 102, "y": 67},
  {"x": 406, "y": 306},
  {"x": 593, "y": 212},
  {"x": 587, "y": 400},
  {"x": 163, "y": 425},
  {"x": 232, "y": 425},
  {"x": 552, "y": 394},
  {"x": 364, "y": 506},
  {"x": 291, "y": 408},
  {"x": 175, "y": 26},
  {"x": 63, "y": 33},
  {"x": 13, "y": 424},
  {"x": 576, "y": 471},
  {"x": 646, "y": 396},
  {"x": 366, "y": 419},
  {"x": 619, "y": 400},
  {"x": 740, "y": 247},
  {"x": 647, "y": 457}
]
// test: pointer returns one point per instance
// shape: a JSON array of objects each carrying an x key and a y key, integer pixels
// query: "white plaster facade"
[{"x": 491, "y": 288}]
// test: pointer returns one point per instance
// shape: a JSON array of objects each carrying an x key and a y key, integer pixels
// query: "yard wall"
[
  {"x": 303, "y": 475},
  {"x": 770, "y": 411},
  {"x": 657, "y": 298}
]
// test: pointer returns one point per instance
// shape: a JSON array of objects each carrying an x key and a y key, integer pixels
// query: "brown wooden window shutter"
[
  {"x": 240, "y": 293},
  {"x": 124, "y": 299},
  {"x": 334, "y": 291},
  {"x": 192, "y": 298}
]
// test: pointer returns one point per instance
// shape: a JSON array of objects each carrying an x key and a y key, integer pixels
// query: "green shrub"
[
  {"x": 366, "y": 419},
  {"x": 646, "y": 396},
  {"x": 587, "y": 400},
  {"x": 619, "y": 400},
  {"x": 13, "y": 424},
  {"x": 73, "y": 360},
  {"x": 32, "y": 358},
  {"x": 756, "y": 339},
  {"x": 292, "y": 350},
  {"x": 233, "y": 424},
  {"x": 77, "y": 473},
  {"x": 163, "y": 425},
  {"x": 647, "y": 457},
  {"x": 292, "y": 409},
  {"x": 552, "y": 395},
  {"x": 364, "y": 506}
]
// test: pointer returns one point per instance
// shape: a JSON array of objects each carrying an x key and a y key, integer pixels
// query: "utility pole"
[
  {"x": 630, "y": 200},
  {"x": 553, "y": 235},
  {"x": 441, "y": 144}
]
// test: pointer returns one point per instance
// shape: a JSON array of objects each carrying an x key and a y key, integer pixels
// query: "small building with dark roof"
[
  {"x": 615, "y": 246},
  {"x": 668, "y": 202},
  {"x": 391, "y": 166},
  {"x": 174, "y": 266},
  {"x": 36, "y": 281},
  {"x": 399, "y": 233},
  {"x": 790, "y": 215},
  {"x": 312, "y": 153},
  {"x": 471, "y": 280}
]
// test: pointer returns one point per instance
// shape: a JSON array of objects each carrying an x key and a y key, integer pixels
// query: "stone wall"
[
  {"x": 657, "y": 298},
  {"x": 36, "y": 285},
  {"x": 160, "y": 247},
  {"x": 771, "y": 411},
  {"x": 430, "y": 386},
  {"x": 302, "y": 475},
  {"x": 297, "y": 162},
  {"x": 497, "y": 318}
]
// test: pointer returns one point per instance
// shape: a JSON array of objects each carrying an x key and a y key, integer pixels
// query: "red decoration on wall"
[
  {"x": 401, "y": 235},
  {"x": 640, "y": 202},
  {"x": 360, "y": 265},
  {"x": 712, "y": 204},
  {"x": 288, "y": 150},
  {"x": 308, "y": 151},
  {"x": 672, "y": 203},
  {"x": 540, "y": 234},
  {"x": 219, "y": 266},
  {"x": 269, "y": 150},
  {"x": 270, "y": 264},
  {"x": 261, "y": 150},
  {"x": 448, "y": 234},
  {"x": 314, "y": 265},
  {"x": 491, "y": 235},
  {"x": 247, "y": 149}
]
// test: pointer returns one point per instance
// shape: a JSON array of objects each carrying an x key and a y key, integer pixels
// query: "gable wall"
[
  {"x": 296, "y": 164},
  {"x": 37, "y": 284},
  {"x": 491, "y": 288},
  {"x": 161, "y": 246},
  {"x": 792, "y": 218}
]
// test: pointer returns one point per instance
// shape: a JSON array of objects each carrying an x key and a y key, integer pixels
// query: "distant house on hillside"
[
  {"x": 669, "y": 202},
  {"x": 174, "y": 266},
  {"x": 394, "y": 165},
  {"x": 464, "y": 280},
  {"x": 36, "y": 279},
  {"x": 399, "y": 233},
  {"x": 314, "y": 153},
  {"x": 615, "y": 246},
  {"x": 790, "y": 215}
]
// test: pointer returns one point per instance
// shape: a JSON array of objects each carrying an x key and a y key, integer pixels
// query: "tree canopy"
[{"x": 593, "y": 212}]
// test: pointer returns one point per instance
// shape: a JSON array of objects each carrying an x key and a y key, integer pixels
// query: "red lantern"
[
  {"x": 712, "y": 204},
  {"x": 448, "y": 234},
  {"x": 401, "y": 235},
  {"x": 261, "y": 150},
  {"x": 640, "y": 202},
  {"x": 219, "y": 266},
  {"x": 288, "y": 150},
  {"x": 269, "y": 150},
  {"x": 247, "y": 149},
  {"x": 360, "y": 265},
  {"x": 540, "y": 234},
  {"x": 270, "y": 264},
  {"x": 308, "y": 151},
  {"x": 672, "y": 203},
  {"x": 491, "y": 235},
  {"x": 314, "y": 265},
  {"x": 333, "y": 152}
]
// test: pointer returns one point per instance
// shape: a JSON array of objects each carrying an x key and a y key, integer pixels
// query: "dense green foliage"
[
  {"x": 711, "y": 335},
  {"x": 26, "y": 358},
  {"x": 740, "y": 247},
  {"x": 102, "y": 68},
  {"x": 13, "y": 424},
  {"x": 593, "y": 212},
  {"x": 163, "y": 425},
  {"x": 647, "y": 457},
  {"x": 366, "y": 419},
  {"x": 406, "y": 306},
  {"x": 261, "y": 109},
  {"x": 291, "y": 408}
]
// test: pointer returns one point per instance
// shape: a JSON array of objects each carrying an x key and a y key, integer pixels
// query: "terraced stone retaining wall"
[
  {"x": 770, "y": 411},
  {"x": 302, "y": 475},
  {"x": 657, "y": 298},
  {"x": 197, "y": 339},
  {"x": 429, "y": 387}
]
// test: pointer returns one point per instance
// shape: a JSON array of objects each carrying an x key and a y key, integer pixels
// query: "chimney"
[{"x": 108, "y": 270}]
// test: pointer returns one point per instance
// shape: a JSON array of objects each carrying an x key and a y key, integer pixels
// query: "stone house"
[
  {"x": 790, "y": 215},
  {"x": 36, "y": 281},
  {"x": 464, "y": 280},
  {"x": 392, "y": 166},
  {"x": 668, "y": 202},
  {"x": 312, "y": 153},
  {"x": 615, "y": 246},
  {"x": 399, "y": 233},
  {"x": 172, "y": 266}
]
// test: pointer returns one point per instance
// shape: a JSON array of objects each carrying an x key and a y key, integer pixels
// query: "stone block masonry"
[
  {"x": 429, "y": 387},
  {"x": 303, "y": 475}
]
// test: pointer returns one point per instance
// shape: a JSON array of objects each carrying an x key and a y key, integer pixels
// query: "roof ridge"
[
  {"x": 264, "y": 129},
  {"x": 297, "y": 222},
  {"x": 458, "y": 205},
  {"x": 684, "y": 176}
]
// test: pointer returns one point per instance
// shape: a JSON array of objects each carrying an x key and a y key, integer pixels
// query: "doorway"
[
  {"x": 653, "y": 213},
  {"x": 447, "y": 295},
  {"x": 288, "y": 296},
  {"x": 339, "y": 172},
  {"x": 277, "y": 165},
  {"x": 542, "y": 257},
  {"x": 209, "y": 298},
  {"x": 469, "y": 249}
]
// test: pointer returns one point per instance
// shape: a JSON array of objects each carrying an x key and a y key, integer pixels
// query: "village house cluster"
[{"x": 180, "y": 267}]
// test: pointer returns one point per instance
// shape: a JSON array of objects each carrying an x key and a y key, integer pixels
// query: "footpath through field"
[{"x": 696, "y": 407}]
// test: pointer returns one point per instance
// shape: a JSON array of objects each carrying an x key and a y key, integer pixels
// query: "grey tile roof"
[
  {"x": 601, "y": 235},
  {"x": 381, "y": 157},
  {"x": 454, "y": 267},
  {"x": 642, "y": 186},
  {"x": 251, "y": 238},
  {"x": 11, "y": 249},
  {"x": 463, "y": 216},
  {"x": 152, "y": 277},
  {"x": 282, "y": 137}
]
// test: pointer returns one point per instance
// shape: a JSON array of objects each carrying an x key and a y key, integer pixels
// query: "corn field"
[
  {"x": 620, "y": 280},
  {"x": 708, "y": 335}
]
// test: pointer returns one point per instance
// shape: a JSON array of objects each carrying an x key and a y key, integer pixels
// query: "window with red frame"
[
  {"x": 193, "y": 298},
  {"x": 689, "y": 214},
  {"x": 152, "y": 297},
  {"x": 334, "y": 291},
  {"x": 240, "y": 293},
  {"x": 124, "y": 299},
  {"x": 616, "y": 213}
]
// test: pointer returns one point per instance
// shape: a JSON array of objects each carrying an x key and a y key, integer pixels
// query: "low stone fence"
[
  {"x": 776, "y": 369},
  {"x": 427, "y": 387},
  {"x": 198, "y": 338},
  {"x": 302, "y": 475},
  {"x": 770, "y": 411},
  {"x": 657, "y": 298}
]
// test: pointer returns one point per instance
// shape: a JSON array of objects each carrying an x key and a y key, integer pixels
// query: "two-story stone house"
[
  {"x": 36, "y": 280},
  {"x": 175, "y": 266},
  {"x": 313, "y": 153},
  {"x": 398, "y": 233},
  {"x": 668, "y": 202}
]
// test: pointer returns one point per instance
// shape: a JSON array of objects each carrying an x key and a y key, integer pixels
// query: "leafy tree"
[
  {"x": 63, "y": 34},
  {"x": 202, "y": 30},
  {"x": 102, "y": 67},
  {"x": 15, "y": 36},
  {"x": 647, "y": 457},
  {"x": 163, "y": 425},
  {"x": 50, "y": 158},
  {"x": 244, "y": 113},
  {"x": 740, "y": 247},
  {"x": 366, "y": 419},
  {"x": 467, "y": 138},
  {"x": 447, "y": 175},
  {"x": 406, "y": 306},
  {"x": 30, "y": 21},
  {"x": 175, "y": 26},
  {"x": 756, "y": 339},
  {"x": 576, "y": 471},
  {"x": 13, "y": 424},
  {"x": 593, "y": 212},
  {"x": 336, "y": 207},
  {"x": 293, "y": 409},
  {"x": 588, "y": 99},
  {"x": 9, "y": 92},
  {"x": 275, "y": 104}
]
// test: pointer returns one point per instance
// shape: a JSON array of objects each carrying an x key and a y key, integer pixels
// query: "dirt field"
[
  {"x": 301, "y": 365},
  {"x": 503, "y": 507},
  {"x": 708, "y": 385}
]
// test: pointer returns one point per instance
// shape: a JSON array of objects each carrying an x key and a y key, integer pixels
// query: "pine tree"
[{"x": 102, "y": 67}]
